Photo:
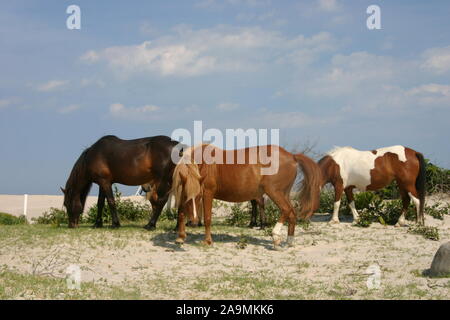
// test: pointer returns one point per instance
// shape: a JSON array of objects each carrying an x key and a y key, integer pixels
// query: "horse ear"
[
  {"x": 183, "y": 177},
  {"x": 63, "y": 190}
]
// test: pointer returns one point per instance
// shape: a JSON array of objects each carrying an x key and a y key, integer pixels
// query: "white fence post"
[
  {"x": 25, "y": 204},
  {"x": 138, "y": 192}
]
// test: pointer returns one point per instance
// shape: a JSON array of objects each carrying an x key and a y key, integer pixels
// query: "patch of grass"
[
  {"x": 431, "y": 233},
  {"x": 14, "y": 285},
  {"x": 9, "y": 219}
]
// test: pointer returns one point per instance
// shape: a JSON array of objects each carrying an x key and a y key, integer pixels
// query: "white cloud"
[
  {"x": 90, "y": 56},
  {"x": 51, "y": 85},
  {"x": 431, "y": 94},
  {"x": 350, "y": 75},
  {"x": 437, "y": 60},
  {"x": 5, "y": 103},
  {"x": 90, "y": 82},
  {"x": 221, "y": 3},
  {"x": 227, "y": 106},
  {"x": 69, "y": 109},
  {"x": 146, "y": 112},
  {"x": 288, "y": 120},
  {"x": 188, "y": 52},
  {"x": 328, "y": 5}
]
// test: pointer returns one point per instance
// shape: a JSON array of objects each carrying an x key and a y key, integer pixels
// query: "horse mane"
[
  {"x": 78, "y": 180},
  {"x": 187, "y": 168}
]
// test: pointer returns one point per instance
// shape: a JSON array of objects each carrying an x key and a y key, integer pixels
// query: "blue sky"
[{"x": 143, "y": 68}]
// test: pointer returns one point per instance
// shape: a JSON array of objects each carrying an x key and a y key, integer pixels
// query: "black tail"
[{"x": 421, "y": 185}]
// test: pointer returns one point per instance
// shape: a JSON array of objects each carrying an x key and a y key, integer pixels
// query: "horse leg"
[
  {"x": 207, "y": 213},
  {"x": 100, "y": 204},
  {"x": 254, "y": 214},
  {"x": 157, "y": 207},
  {"x": 287, "y": 213},
  {"x": 351, "y": 203},
  {"x": 405, "y": 204},
  {"x": 262, "y": 213},
  {"x": 338, "y": 189},
  {"x": 107, "y": 188},
  {"x": 181, "y": 227}
]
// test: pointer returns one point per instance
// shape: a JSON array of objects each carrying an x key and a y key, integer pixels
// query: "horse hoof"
[
  {"x": 179, "y": 241},
  {"x": 149, "y": 227},
  {"x": 277, "y": 247},
  {"x": 332, "y": 221},
  {"x": 115, "y": 225},
  {"x": 401, "y": 224},
  {"x": 97, "y": 225},
  {"x": 207, "y": 242}
]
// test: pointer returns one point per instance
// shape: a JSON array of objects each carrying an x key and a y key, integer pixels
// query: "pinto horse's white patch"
[{"x": 355, "y": 165}]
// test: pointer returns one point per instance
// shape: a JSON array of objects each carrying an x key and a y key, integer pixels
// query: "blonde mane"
[{"x": 187, "y": 168}]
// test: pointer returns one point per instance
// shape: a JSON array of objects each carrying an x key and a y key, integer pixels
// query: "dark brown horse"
[
  {"x": 244, "y": 182},
  {"x": 347, "y": 168},
  {"x": 129, "y": 162}
]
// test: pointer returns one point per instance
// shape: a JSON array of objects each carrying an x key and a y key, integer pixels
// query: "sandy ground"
[{"x": 328, "y": 261}]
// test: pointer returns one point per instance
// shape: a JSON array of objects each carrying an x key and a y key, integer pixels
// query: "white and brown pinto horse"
[{"x": 347, "y": 168}]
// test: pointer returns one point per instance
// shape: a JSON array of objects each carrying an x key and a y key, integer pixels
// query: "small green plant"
[
  {"x": 238, "y": 216},
  {"x": 53, "y": 216},
  {"x": 326, "y": 201},
  {"x": 272, "y": 213},
  {"x": 243, "y": 242},
  {"x": 431, "y": 233},
  {"x": 9, "y": 219},
  {"x": 169, "y": 214},
  {"x": 437, "y": 210}
]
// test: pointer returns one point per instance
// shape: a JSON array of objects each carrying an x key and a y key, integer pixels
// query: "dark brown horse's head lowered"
[{"x": 76, "y": 191}]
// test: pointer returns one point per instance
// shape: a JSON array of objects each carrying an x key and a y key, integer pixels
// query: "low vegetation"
[{"x": 9, "y": 219}]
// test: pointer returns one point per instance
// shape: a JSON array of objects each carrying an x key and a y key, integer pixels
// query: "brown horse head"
[
  {"x": 186, "y": 184},
  {"x": 76, "y": 191}
]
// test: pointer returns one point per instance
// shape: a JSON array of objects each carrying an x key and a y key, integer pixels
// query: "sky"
[{"x": 142, "y": 68}]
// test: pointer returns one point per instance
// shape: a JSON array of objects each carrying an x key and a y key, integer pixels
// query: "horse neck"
[{"x": 79, "y": 184}]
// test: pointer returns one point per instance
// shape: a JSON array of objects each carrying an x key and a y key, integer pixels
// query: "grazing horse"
[
  {"x": 347, "y": 168},
  {"x": 244, "y": 182},
  {"x": 113, "y": 160}
]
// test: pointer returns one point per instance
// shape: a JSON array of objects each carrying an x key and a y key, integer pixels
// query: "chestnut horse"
[
  {"x": 130, "y": 162},
  {"x": 347, "y": 168},
  {"x": 244, "y": 182}
]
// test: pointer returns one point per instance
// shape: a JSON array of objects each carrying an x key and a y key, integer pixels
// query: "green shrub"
[
  {"x": 389, "y": 192},
  {"x": 127, "y": 210},
  {"x": 431, "y": 233},
  {"x": 169, "y": 215},
  {"x": 9, "y": 219},
  {"x": 385, "y": 212},
  {"x": 437, "y": 210},
  {"x": 238, "y": 216},
  {"x": 326, "y": 204},
  {"x": 54, "y": 217},
  {"x": 438, "y": 179},
  {"x": 272, "y": 213}
]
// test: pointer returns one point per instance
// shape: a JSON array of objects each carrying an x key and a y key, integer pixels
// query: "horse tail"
[
  {"x": 421, "y": 185},
  {"x": 312, "y": 182}
]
